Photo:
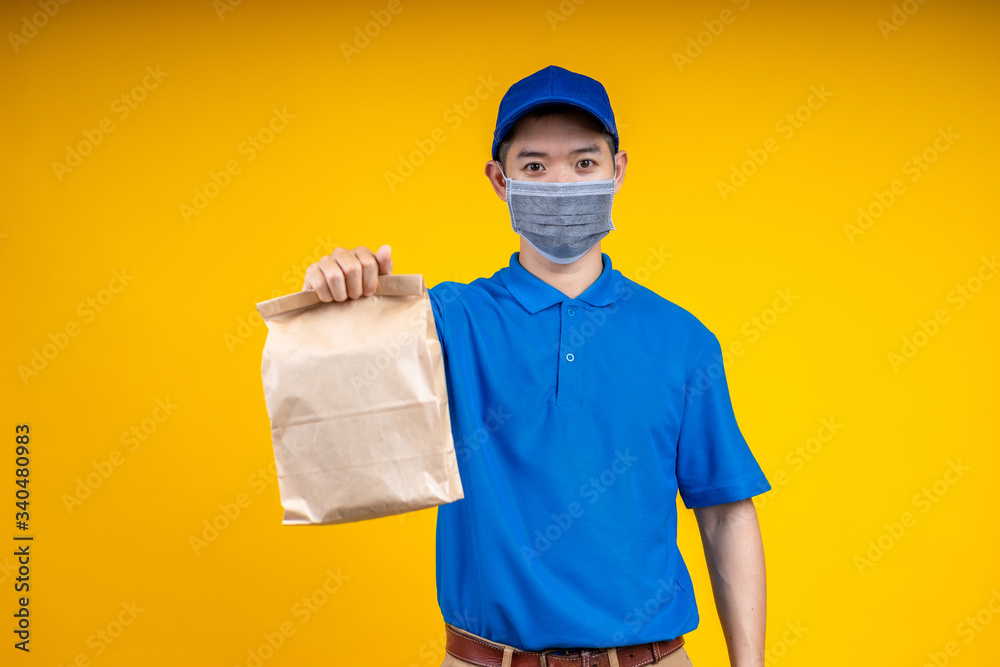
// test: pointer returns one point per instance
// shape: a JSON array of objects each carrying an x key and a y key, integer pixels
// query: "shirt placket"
[{"x": 569, "y": 385}]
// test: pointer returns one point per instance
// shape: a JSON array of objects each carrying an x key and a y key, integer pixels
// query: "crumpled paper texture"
[{"x": 358, "y": 404}]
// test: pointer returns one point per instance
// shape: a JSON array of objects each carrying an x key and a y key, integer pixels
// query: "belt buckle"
[
  {"x": 586, "y": 655},
  {"x": 542, "y": 662}
]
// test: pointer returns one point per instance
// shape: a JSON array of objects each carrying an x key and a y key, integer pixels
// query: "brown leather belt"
[{"x": 478, "y": 652}]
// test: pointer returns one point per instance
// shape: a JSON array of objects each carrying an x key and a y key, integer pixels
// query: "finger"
[
  {"x": 333, "y": 276},
  {"x": 384, "y": 257},
  {"x": 353, "y": 272},
  {"x": 369, "y": 269},
  {"x": 316, "y": 281}
]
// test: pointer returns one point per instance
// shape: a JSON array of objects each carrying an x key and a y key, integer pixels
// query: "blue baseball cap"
[{"x": 553, "y": 85}]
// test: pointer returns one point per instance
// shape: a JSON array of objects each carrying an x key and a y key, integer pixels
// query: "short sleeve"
[
  {"x": 714, "y": 461},
  {"x": 438, "y": 309}
]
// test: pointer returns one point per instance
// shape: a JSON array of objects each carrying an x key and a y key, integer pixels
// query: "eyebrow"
[{"x": 592, "y": 148}]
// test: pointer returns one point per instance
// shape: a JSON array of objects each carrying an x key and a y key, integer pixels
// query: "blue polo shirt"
[{"x": 576, "y": 423}]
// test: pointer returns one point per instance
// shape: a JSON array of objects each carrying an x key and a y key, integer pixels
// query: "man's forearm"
[{"x": 734, "y": 553}]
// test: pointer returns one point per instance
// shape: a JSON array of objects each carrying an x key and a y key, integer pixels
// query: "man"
[{"x": 581, "y": 404}]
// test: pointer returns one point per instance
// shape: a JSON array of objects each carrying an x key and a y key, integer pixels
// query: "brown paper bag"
[{"x": 356, "y": 394}]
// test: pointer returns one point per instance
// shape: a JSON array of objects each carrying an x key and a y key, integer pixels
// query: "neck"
[{"x": 570, "y": 279}]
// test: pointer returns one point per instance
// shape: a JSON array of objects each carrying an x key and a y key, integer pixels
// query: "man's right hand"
[{"x": 348, "y": 274}]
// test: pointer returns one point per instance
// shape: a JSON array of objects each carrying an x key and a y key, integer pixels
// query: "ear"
[
  {"x": 495, "y": 176},
  {"x": 621, "y": 159}
]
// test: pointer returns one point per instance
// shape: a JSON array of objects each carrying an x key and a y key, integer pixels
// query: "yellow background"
[{"x": 182, "y": 329}]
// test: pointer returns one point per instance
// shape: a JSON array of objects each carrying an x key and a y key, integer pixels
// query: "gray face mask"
[{"x": 562, "y": 221}]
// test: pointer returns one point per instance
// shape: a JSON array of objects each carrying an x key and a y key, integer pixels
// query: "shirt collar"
[{"x": 535, "y": 294}]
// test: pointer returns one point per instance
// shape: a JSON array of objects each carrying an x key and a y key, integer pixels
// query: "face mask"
[{"x": 562, "y": 221}]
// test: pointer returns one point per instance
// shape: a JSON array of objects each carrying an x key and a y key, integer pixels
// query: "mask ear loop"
[
  {"x": 613, "y": 178},
  {"x": 501, "y": 170},
  {"x": 510, "y": 206}
]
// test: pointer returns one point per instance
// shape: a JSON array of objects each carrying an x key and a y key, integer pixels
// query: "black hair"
[{"x": 557, "y": 107}]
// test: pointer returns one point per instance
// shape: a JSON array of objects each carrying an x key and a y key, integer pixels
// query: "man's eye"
[
  {"x": 585, "y": 163},
  {"x": 531, "y": 166}
]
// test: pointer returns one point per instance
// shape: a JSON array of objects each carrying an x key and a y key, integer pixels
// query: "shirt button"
[
  {"x": 571, "y": 311},
  {"x": 570, "y": 357}
]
